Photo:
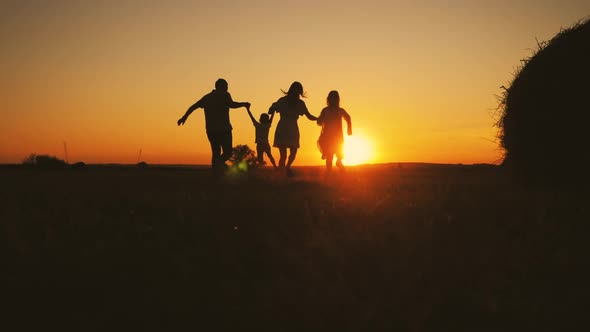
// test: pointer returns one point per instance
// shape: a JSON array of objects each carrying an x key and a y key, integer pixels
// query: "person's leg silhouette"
[{"x": 282, "y": 156}]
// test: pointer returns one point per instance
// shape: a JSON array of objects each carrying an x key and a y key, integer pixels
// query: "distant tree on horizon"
[
  {"x": 43, "y": 161},
  {"x": 243, "y": 158}
]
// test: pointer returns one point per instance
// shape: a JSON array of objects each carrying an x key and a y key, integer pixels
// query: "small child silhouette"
[
  {"x": 262, "y": 144},
  {"x": 331, "y": 139}
]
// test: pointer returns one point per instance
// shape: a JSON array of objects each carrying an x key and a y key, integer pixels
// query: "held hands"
[
  {"x": 247, "y": 105},
  {"x": 181, "y": 121}
]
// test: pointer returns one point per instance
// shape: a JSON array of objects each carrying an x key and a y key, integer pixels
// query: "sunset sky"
[{"x": 419, "y": 78}]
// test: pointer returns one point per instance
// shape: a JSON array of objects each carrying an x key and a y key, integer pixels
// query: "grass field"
[{"x": 380, "y": 248}]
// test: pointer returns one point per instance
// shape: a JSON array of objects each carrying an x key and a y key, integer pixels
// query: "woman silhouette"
[{"x": 290, "y": 107}]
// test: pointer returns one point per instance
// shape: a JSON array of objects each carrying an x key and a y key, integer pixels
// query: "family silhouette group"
[{"x": 218, "y": 102}]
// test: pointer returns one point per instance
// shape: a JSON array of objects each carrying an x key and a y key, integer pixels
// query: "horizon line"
[{"x": 308, "y": 165}]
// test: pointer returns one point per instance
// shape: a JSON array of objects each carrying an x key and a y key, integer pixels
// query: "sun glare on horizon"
[{"x": 358, "y": 149}]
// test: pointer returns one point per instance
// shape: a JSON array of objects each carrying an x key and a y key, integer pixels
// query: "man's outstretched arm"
[
  {"x": 235, "y": 104},
  {"x": 196, "y": 105}
]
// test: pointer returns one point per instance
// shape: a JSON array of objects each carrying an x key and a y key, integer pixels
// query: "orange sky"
[{"x": 112, "y": 77}]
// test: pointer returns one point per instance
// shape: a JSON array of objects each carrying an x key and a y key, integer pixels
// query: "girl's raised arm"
[
  {"x": 251, "y": 116},
  {"x": 348, "y": 120}
]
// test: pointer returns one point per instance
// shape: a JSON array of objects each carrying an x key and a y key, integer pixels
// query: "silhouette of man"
[{"x": 216, "y": 105}]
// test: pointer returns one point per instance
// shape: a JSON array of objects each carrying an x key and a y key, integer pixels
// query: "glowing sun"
[{"x": 357, "y": 150}]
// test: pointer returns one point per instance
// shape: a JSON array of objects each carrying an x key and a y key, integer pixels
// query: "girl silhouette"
[{"x": 331, "y": 139}]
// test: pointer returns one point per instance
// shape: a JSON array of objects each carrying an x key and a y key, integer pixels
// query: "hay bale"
[{"x": 545, "y": 113}]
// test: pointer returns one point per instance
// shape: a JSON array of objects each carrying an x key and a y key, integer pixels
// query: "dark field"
[{"x": 380, "y": 248}]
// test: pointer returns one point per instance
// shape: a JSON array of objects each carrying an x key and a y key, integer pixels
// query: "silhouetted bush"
[
  {"x": 546, "y": 112},
  {"x": 142, "y": 164},
  {"x": 43, "y": 161},
  {"x": 243, "y": 158}
]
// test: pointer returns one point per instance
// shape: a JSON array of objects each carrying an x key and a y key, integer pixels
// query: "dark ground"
[{"x": 380, "y": 248}]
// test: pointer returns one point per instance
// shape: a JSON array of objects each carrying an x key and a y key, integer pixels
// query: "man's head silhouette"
[{"x": 221, "y": 85}]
